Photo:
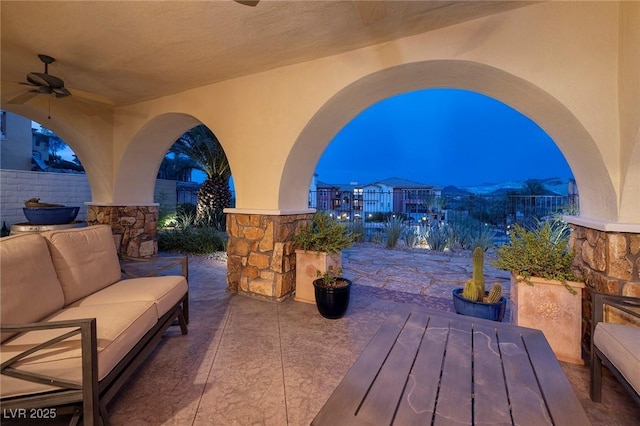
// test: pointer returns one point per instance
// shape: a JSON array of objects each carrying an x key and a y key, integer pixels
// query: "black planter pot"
[
  {"x": 332, "y": 303},
  {"x": 490, "y": 311}
]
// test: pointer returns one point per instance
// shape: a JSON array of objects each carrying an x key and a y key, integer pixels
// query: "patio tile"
[{"x": 248, "y": 361}]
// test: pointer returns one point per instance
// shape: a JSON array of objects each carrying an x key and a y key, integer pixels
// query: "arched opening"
[
  {"x": 598, "y": 198},
  {"x": 443, "y": 159},
  {"x": 197, "y": 173},
  {"x": 38, "y": 163}
]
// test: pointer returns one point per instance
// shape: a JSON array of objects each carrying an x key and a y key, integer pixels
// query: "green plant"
[
  {"x": 482, "y": 237},
  {"x": 437, "y": 237},
  {"x": 495, "y": 293},
  {"x": 191, "y": 240},
  {"x": 474, "y": 288},
  {"x": 357, "y": 231},
  {"x": 393, "y": 229},
  {"x": 536, "y": 253},
  {"x": 331, "y": 278},
  {"x": 323, "y": 234},
  {"x": 559, "y": 228},
  {"x": 410, "y": 237}
]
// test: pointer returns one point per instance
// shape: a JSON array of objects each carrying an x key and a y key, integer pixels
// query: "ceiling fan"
[
  {"x": 370, "y": 11},
  {"x": 42, "y": 83}
]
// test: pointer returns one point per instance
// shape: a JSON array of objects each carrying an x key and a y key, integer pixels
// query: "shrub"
[
  {"x": 393, "y": 229},
  {"x": 482, "y": 237},
  {"x": 323, "y": 234},
  {"x": 533, "y": 253},
  {"x": 438, "y": 237},
  {"x": 201, "y": 240},
  {"x": 410, "y": 237},
  {"x": 357, "y": 231}
]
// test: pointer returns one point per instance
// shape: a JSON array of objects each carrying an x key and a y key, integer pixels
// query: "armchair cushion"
[{"x": 621, "y": 345}]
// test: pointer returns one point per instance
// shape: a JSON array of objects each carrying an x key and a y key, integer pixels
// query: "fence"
[{"x": 496, "y": 212}]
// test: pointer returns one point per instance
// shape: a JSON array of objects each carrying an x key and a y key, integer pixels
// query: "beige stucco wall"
[
  {"x": 630, "y": 111},
  {"x": 572, "y": 68}
]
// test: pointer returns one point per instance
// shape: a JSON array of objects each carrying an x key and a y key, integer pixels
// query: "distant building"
[
  {"x": 15, "y": 141},
  {"x": 354, "y": 201}
]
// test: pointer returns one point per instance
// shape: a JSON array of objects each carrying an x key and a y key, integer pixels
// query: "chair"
[{"x": 617, "y": 346}]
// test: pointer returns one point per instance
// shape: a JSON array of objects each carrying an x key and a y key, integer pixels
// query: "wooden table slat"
[
  {"x": 418, "y": 401},
  {"x": 352, "y": 389},
  {"x": 454, "y": 398},
  {"x": 380, "y": 404},
  {"x": 564, "y": 406},
  {"x": 527, "y": 403},
  {"x": 428, "y": 367},
  {"x": 490, "y": 405}
]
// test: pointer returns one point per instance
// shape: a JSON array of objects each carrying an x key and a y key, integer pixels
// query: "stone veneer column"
[
  {"x": 610, "y": 263},
  {"x": 261, "y": 259},
  {"x": 135, "y": 228}
]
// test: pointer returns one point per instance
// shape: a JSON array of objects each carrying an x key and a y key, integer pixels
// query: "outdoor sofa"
[
  {"x": 617, "y": 346},
  {"x": 73, "y": 330}
]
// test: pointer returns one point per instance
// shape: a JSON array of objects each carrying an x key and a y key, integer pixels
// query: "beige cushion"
[
  {"x": 30, "y": 289},
  {"x": 85, "y": 260},
  {"x": 621, "y": 345},
  {"x": 164, "y": 292},
  {"x": 119, "y": 327}
]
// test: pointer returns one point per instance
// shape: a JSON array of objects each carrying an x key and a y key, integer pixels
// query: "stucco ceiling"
[{"x": 125, "y": 52}]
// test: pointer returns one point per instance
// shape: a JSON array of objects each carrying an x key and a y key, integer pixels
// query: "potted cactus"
[{"x": 473, "y": 300}]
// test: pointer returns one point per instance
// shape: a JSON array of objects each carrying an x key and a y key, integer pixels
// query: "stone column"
[
  {"x": 610, "y": 263},
  {"x": 261, "y": 259},
  {"x": 135, "y": 228}
]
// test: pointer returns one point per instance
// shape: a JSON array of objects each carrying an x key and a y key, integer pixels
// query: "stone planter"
[
  {"x": 307, "y": 263},
  {"x": 547, "y": 305}
]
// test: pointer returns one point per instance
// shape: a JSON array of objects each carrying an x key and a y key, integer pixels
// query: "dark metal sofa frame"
[
  {"x": 88, "y": 400},
  {"x": 624, "y": 304}
]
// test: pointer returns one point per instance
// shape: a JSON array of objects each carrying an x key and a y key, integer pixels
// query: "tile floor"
[{"x": 248, "y": 361}]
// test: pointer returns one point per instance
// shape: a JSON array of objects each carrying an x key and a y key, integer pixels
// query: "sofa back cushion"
[
  {"x": 85, "y": 260},
  {"x": 30, "y": 289}
]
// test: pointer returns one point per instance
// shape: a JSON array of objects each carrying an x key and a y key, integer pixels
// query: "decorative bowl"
[{"x": 50, "y": 215}]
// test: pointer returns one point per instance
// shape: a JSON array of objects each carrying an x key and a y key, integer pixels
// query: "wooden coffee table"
[{"x": 427, "y": 367}]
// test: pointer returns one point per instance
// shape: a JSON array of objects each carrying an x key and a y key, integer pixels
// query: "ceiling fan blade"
[
  {"x": 60, "y": 92},
  {"x": 251, "y": 3},
  {"x": 44, "y": 79},
  {"x": 22, "y": 98},
  {"x": 370, "y": 11}
]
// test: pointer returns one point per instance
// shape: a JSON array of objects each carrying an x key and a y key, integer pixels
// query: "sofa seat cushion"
[
  {"x": 119, "y": 328},
  {"x": 85, "y": 260},
  {"x": 27, "y": 275},
  {"x": 621, "y": 345},
  {"x": 164, "y": 292}
]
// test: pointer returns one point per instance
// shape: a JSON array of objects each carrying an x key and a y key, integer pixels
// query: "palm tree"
[
  {"x": 176, "y": 166},
  {"x": 214, "y": 195}
]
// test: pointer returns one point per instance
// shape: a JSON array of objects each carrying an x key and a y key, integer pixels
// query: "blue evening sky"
[{"x": 441, "y": 137}]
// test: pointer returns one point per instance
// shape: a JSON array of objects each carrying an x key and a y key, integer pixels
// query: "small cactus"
[
  {"x": 495, "y": 293},
  {"x": 470, "y": 291},
  {"x": 474, "y": 288},
  {"x": 478, "y": 267}
]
